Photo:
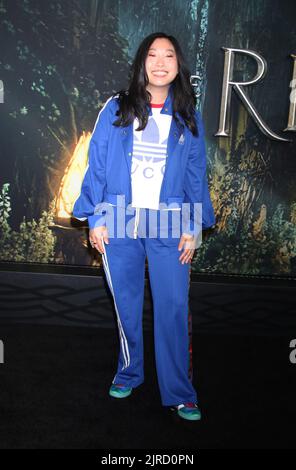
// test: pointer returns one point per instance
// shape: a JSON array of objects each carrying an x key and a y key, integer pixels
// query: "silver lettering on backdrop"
[
  {"x": 194, "y": 82},
  {"x": 292, "y": 109},
  {"x": 229, "y": 83}
]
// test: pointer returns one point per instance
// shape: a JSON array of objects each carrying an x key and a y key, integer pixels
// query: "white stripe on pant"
[{"x": 123, "y": 339}]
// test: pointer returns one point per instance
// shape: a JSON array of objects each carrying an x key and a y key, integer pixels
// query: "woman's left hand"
[{"x": 187, "y": 243}]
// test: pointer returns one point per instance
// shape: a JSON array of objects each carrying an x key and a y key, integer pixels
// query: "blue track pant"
[{"x": 124, "y": 266}]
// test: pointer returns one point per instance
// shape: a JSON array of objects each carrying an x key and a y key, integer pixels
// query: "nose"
[{"x": 159, "y": 61}]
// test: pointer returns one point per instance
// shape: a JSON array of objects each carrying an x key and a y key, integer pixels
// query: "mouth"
[{"x": 159, "y": 73}]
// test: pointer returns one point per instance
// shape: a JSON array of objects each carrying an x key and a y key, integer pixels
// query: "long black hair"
[{"x": 133, "y": 101}]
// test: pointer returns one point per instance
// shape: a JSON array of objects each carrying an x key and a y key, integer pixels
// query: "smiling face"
[{"x": 161, "y": 65}]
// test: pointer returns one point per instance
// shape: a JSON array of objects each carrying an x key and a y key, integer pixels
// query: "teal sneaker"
[
  {"x": 188, "y": 411},
  {"x": 119, "y": 391}
]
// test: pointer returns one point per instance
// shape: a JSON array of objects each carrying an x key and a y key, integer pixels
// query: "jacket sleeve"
[
  {"x": 201, "y": 212},
  {"x": 89, "y": 204}
]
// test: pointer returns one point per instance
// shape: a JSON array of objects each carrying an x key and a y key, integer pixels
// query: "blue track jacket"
[{"x": 107, "y": 179}]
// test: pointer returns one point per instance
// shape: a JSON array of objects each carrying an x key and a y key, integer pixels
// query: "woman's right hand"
[{"x": 96, "y": 235}]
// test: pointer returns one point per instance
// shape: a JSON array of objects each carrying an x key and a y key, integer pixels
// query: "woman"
[{"x": 147, "y": 164}]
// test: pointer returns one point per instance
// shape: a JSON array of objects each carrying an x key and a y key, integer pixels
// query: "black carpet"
[{"x": 55, "y": 381}]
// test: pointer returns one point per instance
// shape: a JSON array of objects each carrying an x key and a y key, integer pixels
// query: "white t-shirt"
[{"x": 149, "y": 159}]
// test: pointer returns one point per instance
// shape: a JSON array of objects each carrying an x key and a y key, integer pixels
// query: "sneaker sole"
[
  {"x": 196, "y": 417},
  {"x": 119, "y": 395},
  {"x": 179, "y": 414}
]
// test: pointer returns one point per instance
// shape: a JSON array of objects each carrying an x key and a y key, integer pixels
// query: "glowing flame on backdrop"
[{"x": 71, "y": 183}]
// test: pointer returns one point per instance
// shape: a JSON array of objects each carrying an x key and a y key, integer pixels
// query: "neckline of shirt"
[{"x": 153, "y": 105}]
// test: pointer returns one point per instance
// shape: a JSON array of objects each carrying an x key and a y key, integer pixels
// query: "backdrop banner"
[{"x": 59, "y": 63}]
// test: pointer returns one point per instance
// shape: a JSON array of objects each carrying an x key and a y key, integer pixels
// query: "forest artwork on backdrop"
[{"x": 61, "y": 60}]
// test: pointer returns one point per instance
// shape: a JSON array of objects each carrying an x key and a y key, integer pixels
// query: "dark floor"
[{"x": 55, "y": 380}]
